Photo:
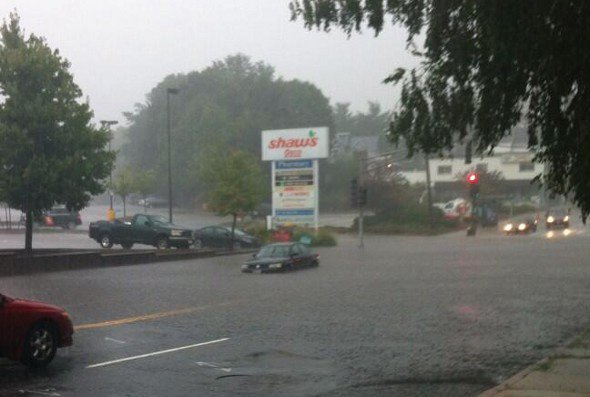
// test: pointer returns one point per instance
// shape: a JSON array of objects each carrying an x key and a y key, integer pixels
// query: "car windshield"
[
  {"x": 274, "y": 251},
  {"x": 237, "y": 232},
  {"x": 158, "y": 219}
]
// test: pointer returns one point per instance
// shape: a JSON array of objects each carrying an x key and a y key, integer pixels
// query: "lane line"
[
  {"x": 152, "y": 316},
  {"x": 121, "y": 360},
  {"x": 115, "y": 340}
]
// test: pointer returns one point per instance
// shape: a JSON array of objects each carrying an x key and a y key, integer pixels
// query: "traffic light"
[
  {"x": 354, "y": 192},
  {"x": 362, "y": 199},
  {"x": 473, "y": 180}
]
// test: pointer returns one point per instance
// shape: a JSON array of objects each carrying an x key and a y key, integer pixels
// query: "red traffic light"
[{"x": 473, "y": 178}]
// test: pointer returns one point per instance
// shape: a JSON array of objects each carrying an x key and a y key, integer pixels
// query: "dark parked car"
[
  {"x": 557, "y": 218},
  {"x": 220, "y": 237},
  {"x": 141, "y": 229},
  {"x": 281, "y": 257},
  {"x": 59, "y": 217},
  {"x": 521, "y": 226},
  {"x": 31, "y": 332}
]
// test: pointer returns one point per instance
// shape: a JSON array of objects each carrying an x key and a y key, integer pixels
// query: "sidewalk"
[{"x": 566, "y": 373}]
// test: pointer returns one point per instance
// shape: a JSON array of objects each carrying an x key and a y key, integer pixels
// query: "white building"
[{"x": 510, "y": 158}]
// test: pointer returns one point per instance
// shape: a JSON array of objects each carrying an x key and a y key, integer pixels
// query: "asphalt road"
[{"x": 406, "y": 316}]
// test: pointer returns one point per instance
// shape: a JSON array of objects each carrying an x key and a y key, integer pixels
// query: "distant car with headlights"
[
  {"x": 31, "y": 332},
  {"x": 59, "y": 217},
  {"x": 557, "y": 218},
  {"x": 141, "y": 229},
  {"x": 281, "y": 257},
  {"x": 520, "y": 226}
]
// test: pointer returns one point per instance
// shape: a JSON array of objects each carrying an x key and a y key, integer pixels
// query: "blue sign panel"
[{"x": 285, "y": 165}]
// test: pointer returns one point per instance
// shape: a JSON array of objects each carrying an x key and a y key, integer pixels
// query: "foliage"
[
  {"x": 143, "y": 182},
  {"x": 234, "y": 182},
  {"x": 491, "y": 183},
  {"x": 226, "y": 106},
  {"x": 407, "y": 218},
  {"x": 335, "y": 183},
  {"x": 374, "y": 122},
  {"x": 124, "y": 185},
  {"x": 485, "y": 65},
  {"x": 323, "y": 237},
  {"x": 50, "y": 153}
]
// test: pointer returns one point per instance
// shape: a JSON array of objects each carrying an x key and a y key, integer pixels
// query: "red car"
[{"x": 31, "y": 332}]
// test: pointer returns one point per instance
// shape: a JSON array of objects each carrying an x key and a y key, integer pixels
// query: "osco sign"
[{"x": 293, "y": 144}]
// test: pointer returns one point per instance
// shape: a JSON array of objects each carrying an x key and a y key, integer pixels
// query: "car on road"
[
  {"x": 520, "y": 226},
  {"x": 141, "y": 229},
  {"x": 220, "y": 237},
  {"x": 31, "y": 332},
  {"x": 281, "y": 257},
  {"x": 557, "y": 218},
  {"x": 59, "y": 217}
]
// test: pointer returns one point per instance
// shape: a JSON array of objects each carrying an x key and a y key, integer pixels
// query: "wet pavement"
[{"x": 406, "y": 316}]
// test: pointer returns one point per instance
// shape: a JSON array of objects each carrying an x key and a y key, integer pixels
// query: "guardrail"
[{"x": 16, "y": 262}]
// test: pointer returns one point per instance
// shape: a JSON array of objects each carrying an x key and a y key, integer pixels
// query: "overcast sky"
[{"x": 120, "y": 49}]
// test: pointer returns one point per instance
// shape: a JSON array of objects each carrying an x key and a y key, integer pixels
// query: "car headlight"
[
  {"x": 522, "y": 226},
  {"x": 508, "y": 227},
  {"x": 176, "y": 233},
  {"x": 550, "y": 219},
  {"x": 566, "y": 218},
  {"x": 275, "y": 266}
]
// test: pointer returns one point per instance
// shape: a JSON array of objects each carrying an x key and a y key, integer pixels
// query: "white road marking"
[
  {"x": 48, "y": 392},
  {"x": 212, "y": 365},
  {"x": 156, "y": 353},
  {"x": 115, "y": 340}
]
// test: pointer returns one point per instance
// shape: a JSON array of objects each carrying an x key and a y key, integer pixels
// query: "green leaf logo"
[{"x": 311, "y": 134}]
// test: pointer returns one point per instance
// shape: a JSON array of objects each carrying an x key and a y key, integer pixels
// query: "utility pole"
[
  {"x": 169, "y": 91},
  {"x": 362, "y": 170}
]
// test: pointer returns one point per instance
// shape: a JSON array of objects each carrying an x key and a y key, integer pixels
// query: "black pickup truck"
[{"x": 141, "y": 229}]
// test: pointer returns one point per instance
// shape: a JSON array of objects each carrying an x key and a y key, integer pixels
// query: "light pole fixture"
[
  {"x": 169, "y": 91},
  {"x": 108, "y": 124}
]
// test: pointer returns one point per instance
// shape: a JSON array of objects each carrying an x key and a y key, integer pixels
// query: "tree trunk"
[
  {"x": 233, "y": 230},
  {"x": 124, "y": 206},
  {"x": 29, "y": 232}
]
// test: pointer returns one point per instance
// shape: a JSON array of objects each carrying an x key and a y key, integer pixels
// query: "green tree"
[
  {"x": 227, "y": 104},
  {"x": 486, "y": 65},
  {"x": 235, "y": 182},
  {"x": 143, "y": 183},
  {"x": 123, "y": 185},
  {"x": 50, "y": 152}
]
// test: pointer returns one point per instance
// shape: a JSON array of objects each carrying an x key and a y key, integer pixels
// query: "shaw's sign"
[{"x": 301, "y": 143}]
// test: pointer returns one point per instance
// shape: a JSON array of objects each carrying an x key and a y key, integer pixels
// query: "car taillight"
[{"x": 49, "y": 221}]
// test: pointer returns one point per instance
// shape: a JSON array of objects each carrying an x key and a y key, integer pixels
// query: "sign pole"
[{"x": 316, "y": 178}]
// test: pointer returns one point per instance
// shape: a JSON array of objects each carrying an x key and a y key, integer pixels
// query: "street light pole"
[
  {"x": 108, "y": 124},
  {"x": 169, "y": 91}
]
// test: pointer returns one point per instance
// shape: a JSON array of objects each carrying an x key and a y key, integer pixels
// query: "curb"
[
  {"x": 507, "y": 384},
  {"x": 16, "y": 265}
]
